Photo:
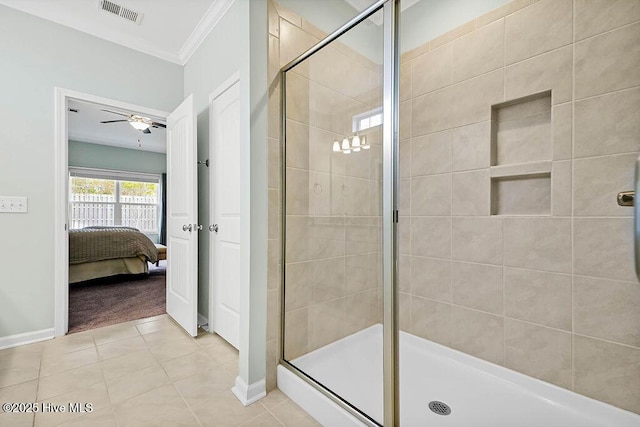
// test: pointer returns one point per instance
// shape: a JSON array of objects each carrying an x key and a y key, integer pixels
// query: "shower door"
[{"x": 334, "y": 223}]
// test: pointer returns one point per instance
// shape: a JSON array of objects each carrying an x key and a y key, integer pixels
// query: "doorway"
[{"x": 184, "y": 134}]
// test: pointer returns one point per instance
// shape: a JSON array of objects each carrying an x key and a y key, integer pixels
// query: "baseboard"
[
  {"x": 203, "y": 322},
  {"x": 26, "y": 338},
  {"x": 249, "y": 393}
]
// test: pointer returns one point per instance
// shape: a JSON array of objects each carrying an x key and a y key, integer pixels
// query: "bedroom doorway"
[
  {"x": 116, "y": 199},
  {"x": 129, "y": 196}
]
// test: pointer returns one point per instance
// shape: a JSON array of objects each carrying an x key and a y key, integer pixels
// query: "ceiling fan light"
[{"x": 139, "y": 125}]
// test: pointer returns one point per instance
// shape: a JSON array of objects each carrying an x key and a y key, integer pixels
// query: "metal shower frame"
[{"x": 390, "y": 150}]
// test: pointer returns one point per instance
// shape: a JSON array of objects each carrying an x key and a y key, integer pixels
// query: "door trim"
[
  {"x": 61, "y": 167},
  {"x": 227, "y": 84}
]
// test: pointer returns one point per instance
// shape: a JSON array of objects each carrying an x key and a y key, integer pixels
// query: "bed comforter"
[{"x": 92, "y": 244}]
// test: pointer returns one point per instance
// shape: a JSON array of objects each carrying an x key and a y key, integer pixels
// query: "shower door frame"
[{"x": 390, "y": 160}]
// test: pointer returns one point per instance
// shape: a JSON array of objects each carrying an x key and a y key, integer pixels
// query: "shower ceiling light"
[
  {"x": 345, "y": 145},
  {"x": 336, "y": 145},
  {"x": 363, "y": 142},
  {"x": 355, "y": 143}
]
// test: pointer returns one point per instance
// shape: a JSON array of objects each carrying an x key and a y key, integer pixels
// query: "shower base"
[{"x": 478, "y": 393}]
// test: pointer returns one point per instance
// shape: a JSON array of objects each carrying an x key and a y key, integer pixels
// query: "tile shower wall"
[
  {"x": 544, "y": 285},
  {"x": 333, "y": 205}
]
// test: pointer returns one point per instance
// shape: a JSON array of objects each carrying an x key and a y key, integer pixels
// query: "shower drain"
[{"x": 439, "y": 408}]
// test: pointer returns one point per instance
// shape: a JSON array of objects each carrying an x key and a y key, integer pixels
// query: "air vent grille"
[{"x": 121, "y": 11}]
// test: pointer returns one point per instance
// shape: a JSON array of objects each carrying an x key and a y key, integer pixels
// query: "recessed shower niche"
[{"x": 521, "y": 150}]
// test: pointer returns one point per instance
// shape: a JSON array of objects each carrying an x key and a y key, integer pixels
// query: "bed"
[{"x": 107, "y": 251}]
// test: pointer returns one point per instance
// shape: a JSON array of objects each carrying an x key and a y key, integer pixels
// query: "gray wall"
[
  {"x": 38, "y": 55},
  {"x": 213, "y": 62},
  {"x": 84, "y": 154}
]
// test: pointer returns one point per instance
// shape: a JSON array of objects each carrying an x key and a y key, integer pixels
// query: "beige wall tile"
[
  {"x": 294, "y": 42},
  {"x": 406, "y": 92},
  {"x": 477, "y": 286},
  {"x": 404, "y": 160},
  {"x": 328, "y": 279},
  {"x": 404, "y": 235},
  {"x": 296, "y": 333},
  {"x": 545, "y": 26},
  {"x": 274, "y": 59},
  {"x": 298, "y": 93},
  {"x": 273, "y": 263},
  {"x": 431, "y": 154},
  {"x": 431, "y": 320},
  {"x": 361, "y": 311},
  {"x": 607, "y": 372},
  {"x": 597, "y": 16},
  {"x": 603, "y": 247},
  {"x": 273, "y": 314},
  {"x": 431, "y": 278},
  {"x": 298, "y": 243},
  {"x": 478, "y": 52},
  {"x": 362, "y": 237},
  {"x": 540, "y": 352},
  {"x": 404, "y": 314},
  {"x": 297, "y": 145},
  {"x": 431, "y": 195},
  {"x": 538, "y": 243},
  {"x": 300, "y": 284},
  {"x": 521, "y": 195},
  {"x": 404, "y": 274},
  {"x": 608, "y": 62},
  {"x": 431, "y": 237},
  {"x": 548, "y": 71},
  {"x": 478, "y": 334},
  {"x": 522, "y": 131},
  {"x": 297, "y": 192},
  {"x": 538, "y": 297},
  {"x": 561, "y": 116},
  {"x": 470, "y": 146},
  {"x": 361, "y": 273},
  {"x": 328, "y": 237},
  {"x": 561, "y": 188},
  {"x": 453, "y": 34},
  {"x": 327, "y": 323},
  {"x": 430, "y": 113},
  {"x": 404, "y": 196},
  {"x": 598, "y": 180},
  {"x": 607, "y": 309},
  {"x": 502, "y": 11},
  {"x": 274, "y": 19},
  {"x": 405, "y": 118},
  {"x": 477, "y": 240},
  {"x": 470, "y": 193},
  {"x": 472, "y": 99},
  {"x": 607, "y": 124},
  {"x": 274, "y": 124},
  {"x": 432, "y": 71}
]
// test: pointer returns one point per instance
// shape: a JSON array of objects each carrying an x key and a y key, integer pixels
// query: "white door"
[
  {"x": 182, "y": 217},
  {"x": 225, "y": 211}
]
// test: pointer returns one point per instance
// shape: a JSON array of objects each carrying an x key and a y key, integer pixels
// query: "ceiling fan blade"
[
  {"x": 115, "y": 112},
  {"x": 146, "y": 131},
  {"x": 158, "y": 125},
  {"x": 114, "y": 121}
]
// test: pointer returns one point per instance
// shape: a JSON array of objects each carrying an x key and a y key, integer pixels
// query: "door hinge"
[{"x": 395, "y": 216}]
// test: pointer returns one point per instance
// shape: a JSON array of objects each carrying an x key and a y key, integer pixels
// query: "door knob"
[
  {"x": 213, "y": 228},
  {"x": 187, "y": 227}
]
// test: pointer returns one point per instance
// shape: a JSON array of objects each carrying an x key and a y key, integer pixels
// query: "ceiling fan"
[{"x": 137, "y": 122}]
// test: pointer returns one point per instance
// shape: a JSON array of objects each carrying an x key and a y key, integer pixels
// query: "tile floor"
[{"x": 146, "y": 372}]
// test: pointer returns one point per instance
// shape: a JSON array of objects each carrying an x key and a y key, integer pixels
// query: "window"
[
  {"x": 112, "y": 198},
  {"x": 367, "y": 120}
]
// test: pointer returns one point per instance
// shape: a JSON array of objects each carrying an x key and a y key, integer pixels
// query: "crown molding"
[{"x": 204, "y": 27}]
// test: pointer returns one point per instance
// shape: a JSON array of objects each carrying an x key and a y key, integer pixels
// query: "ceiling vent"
[{"x": 121, "y": 11}]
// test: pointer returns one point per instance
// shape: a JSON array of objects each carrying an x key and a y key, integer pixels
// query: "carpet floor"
[{"x": 107, "y": 301}]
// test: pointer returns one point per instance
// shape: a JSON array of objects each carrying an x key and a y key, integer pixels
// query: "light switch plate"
[{"x": 13, "y": 204}]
